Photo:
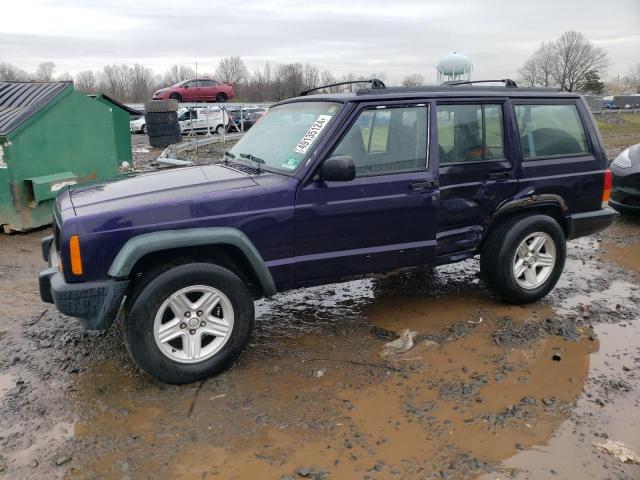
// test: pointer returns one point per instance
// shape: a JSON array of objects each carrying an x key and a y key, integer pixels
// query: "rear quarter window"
[{"x": 550, "y": 131}]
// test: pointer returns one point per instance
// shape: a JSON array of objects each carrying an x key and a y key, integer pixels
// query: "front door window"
[{"x": 389, "y": 140}]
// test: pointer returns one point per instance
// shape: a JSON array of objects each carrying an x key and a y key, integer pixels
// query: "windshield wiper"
[
  {"x": 228, "y": 155},
  {"x": 256, "y": 160}
]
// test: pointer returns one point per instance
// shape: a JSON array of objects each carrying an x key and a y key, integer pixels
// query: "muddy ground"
[{"x": 489, "y": 390}]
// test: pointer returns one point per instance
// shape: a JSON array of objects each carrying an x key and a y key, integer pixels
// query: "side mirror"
[
  {"x": 185, "y": 86},
  {"x": 337, "y": 169}
]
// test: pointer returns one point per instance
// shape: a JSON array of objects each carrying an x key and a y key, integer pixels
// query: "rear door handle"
[
  {"x": 423, "y": 184},
  {"x": 497, "y": 175}
]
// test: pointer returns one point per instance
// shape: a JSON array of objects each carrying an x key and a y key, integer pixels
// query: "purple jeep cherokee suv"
[{"x": 324, "y": 188}]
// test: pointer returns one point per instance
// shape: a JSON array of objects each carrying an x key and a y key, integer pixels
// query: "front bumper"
[
  {"x": 587, "y": 223},
  {"x": 625, "y": 189},
  {"x": 626, "y": 207},
  {"x": 95, "y": 304}
]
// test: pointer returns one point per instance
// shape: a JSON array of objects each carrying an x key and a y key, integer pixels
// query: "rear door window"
[
  {"x": 550, "y": 130},
  {"x": 470, "y": 133}
]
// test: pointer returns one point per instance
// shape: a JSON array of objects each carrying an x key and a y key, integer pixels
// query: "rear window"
[
  {"x": 470, "y": 133},
  {"x": 550, "y": 130}
]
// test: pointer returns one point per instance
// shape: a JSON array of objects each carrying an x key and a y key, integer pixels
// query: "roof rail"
[
  {"x": 375, "y": 83},
  {"x": 507, "y": 82}
]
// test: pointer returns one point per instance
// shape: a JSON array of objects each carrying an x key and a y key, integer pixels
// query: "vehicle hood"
[
  {"x": 160, "y": 90},
  {"x": 158, "y": 189}
]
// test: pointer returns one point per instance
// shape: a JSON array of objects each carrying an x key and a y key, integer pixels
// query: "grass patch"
[{"x": 619, "y": 124}]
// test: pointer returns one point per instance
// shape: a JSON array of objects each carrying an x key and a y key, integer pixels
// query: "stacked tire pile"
[{"x": 161, "y": 123}]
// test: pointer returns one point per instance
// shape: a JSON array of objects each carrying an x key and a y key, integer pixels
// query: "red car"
[{"x": 196, "y": 90}]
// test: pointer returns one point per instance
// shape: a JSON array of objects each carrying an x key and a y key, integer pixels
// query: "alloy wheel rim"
[
  {"x": 193, "y": 324},
  {"x": 534, "y": 260}
]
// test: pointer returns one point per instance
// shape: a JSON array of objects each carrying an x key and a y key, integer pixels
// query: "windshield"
[{"x": 285, "y": 134}]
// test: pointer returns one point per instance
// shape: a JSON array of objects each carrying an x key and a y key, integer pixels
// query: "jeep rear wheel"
[
  {"x": 189, "y": 323},
  {"x": 523, "y": 258}
]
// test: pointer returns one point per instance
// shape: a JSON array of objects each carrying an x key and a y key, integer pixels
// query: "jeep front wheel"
[
  {"x": 189, "y": 323},
  {"x": 523, "y": 258}
]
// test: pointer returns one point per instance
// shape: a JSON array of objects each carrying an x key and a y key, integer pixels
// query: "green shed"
[{"x": 51, "y": 136}]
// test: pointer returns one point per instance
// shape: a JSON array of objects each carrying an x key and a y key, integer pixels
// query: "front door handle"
[
  {"x": 423, "y": 184},
  {"x": 498, "y": 175}
]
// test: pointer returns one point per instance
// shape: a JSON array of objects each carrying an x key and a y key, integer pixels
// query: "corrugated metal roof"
[{"x": 20, "y": 100}]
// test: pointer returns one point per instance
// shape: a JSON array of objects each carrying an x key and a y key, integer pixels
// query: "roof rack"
[
  {"x": 507, "y": 82},
  {"x": 375, "y": 84}
]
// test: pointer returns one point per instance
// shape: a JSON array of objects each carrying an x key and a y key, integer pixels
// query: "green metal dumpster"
[
  {"x": 122, "y": 115},
  {"x": 52, "y": 136}
]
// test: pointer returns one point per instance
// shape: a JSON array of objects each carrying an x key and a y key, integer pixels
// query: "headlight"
[{"x": 623, "y": 160}]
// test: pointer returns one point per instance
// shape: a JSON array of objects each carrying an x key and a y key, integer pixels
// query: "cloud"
[{"x": 361, "y": 37}]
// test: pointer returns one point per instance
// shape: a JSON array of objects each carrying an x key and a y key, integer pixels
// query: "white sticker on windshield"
[{"x": 312, "y": 134}]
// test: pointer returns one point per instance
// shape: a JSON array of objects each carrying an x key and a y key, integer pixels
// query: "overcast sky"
[{"x": 397, "y": 37}]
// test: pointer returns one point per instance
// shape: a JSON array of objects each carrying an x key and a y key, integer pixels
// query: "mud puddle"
[
  {"x": 626, "y": 256},
  {"x": 609, "y": 408},
  {"x": 327, "y": 404}
]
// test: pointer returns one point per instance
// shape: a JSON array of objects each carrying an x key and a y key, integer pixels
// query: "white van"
[{"x": 202, "y": 119}]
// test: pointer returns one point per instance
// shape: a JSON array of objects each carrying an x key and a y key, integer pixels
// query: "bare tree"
[
  {"x": 289, "y": 80},
  {"x": 379, "y": 75},
  {"x": 413, "y": 80},
  {"x": 566, "y": 63},
  {"x": 232, "y": 70},
  {"x": 177, "y": 73},
  {"x": 136, "y": 83},
  {"x": 616, "y": 86},
  {"x": 327, "y": 78},
  {"x": 86, "y": 82},
  {"x": 311, "y": 76},
  {"x": 64, "y": 77},
  {"x": 538, "y": 70},
  {"x": 11, "y": 73},
  {"x": 115, "y": 81},
  {"x": 575, "y": 57},
  {"x": 44, "y": 72},
  {"x": 633, "y": 77},
  {"x": 141, "y": 83}
]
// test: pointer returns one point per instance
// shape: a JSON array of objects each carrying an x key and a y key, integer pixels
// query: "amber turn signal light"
[{"x": 76, "y": 259}]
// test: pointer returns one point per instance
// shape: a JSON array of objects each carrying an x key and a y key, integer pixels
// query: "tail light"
[{"x": 606, "y": 191}]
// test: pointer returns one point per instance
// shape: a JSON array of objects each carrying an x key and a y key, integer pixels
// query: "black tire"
[
  {"x": 159, "y": 118},
  {"x": 219, "y": 129},
  {"x": 160, "y": 106},
  {"x": 163, "y": 130},
  {"x": 498, "y": 253},
  {"x": 164, "y": 141},
  {"x": 139, "y": 320},
  {"x": 143, "y": 129},
  {"x": 176, "y": 96},
  {"x": 222, "y": 98}
]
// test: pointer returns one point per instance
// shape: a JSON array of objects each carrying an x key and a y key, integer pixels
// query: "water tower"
[{"x": 454, "y": 67}]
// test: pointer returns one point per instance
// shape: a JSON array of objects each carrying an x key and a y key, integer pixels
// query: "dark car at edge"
[{"x": 625, "y": 188}]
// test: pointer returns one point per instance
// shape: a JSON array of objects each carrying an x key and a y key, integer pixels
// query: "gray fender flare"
[
  {"x": 545, "y": 199},
  {"x": 141, "y": 245}
]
